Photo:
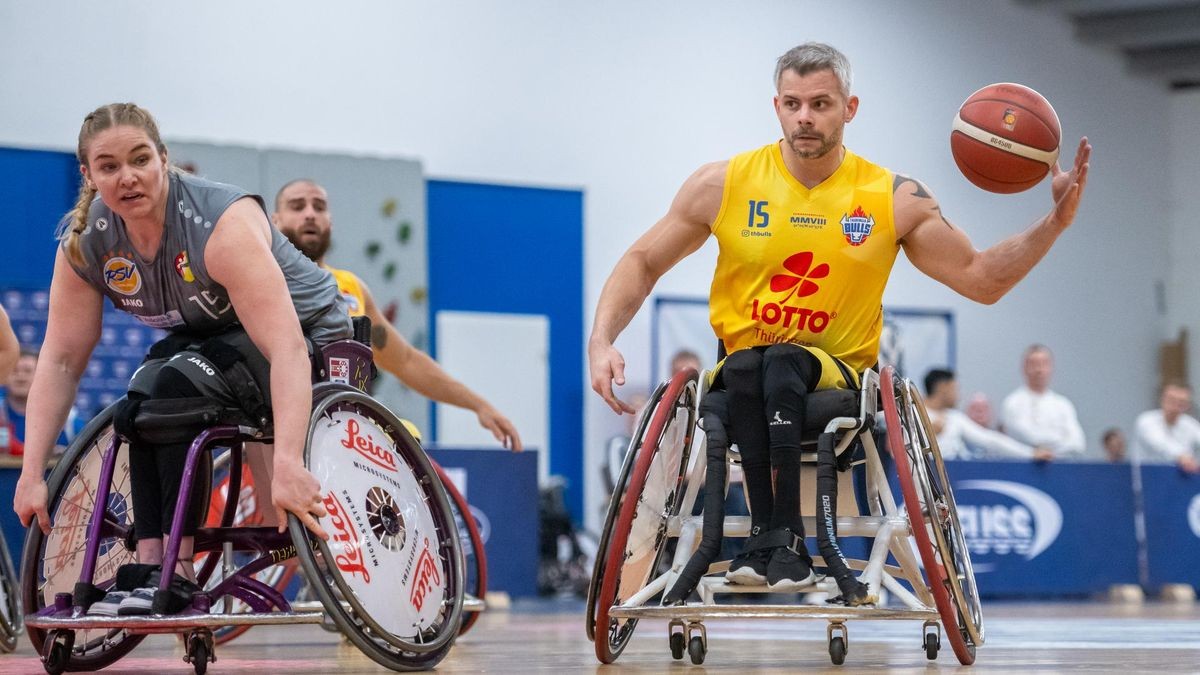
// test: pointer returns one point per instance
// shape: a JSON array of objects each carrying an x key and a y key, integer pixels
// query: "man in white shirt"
[
  {"x": 1035, "y": 415},
  {"x": 1169, "y": 433},
  {"x": 958, "y": 436}
]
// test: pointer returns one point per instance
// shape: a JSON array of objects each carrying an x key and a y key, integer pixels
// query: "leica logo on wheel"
[{"x": 366, "y": 446}]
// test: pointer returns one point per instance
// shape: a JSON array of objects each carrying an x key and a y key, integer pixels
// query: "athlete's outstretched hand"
[
  {"x": 1067, "y": 186},
  {"x": 295, "y": 490},
  {"x": 607, "y": 367},
  {"x": 501, "y": 427}
]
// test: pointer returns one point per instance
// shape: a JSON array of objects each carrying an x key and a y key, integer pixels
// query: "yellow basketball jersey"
[
  {"x": 351, "y": 289},
  {"x": 803, "y": 266}
]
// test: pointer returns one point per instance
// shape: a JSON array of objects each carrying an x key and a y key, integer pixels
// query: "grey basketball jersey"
[{"x": 174, "y": 291}]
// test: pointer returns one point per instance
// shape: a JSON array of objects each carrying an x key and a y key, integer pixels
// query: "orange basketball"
[{"x": 1005, "y": 138}]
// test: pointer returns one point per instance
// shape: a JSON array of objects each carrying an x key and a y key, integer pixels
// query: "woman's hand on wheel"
[
  {"x": 30, "y": 500},
  {"x": 295, "y": 490}
]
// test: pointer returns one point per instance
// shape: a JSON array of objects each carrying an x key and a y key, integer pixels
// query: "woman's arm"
[
  {"x": 238, "y": 257},
  {"x": 72, "y": 331}
]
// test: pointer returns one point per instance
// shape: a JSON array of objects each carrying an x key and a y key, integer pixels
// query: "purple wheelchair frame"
[{"x": 345, "y": 361}]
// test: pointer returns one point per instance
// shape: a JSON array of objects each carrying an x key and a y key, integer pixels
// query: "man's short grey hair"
[{"x": 814, "y": 56}]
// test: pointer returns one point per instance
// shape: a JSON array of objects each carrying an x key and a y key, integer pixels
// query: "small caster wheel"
[
  {"x": 57, "y": 654},
  {"x": 932, "y": 643},
  {"x": 678, "y": 645},
  {"x": 198, "y": 652},
  {"x": 697, "y": 649},
  {"x": 837, "y": 650}
]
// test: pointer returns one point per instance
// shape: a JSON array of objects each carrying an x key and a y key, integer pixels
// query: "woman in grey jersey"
[{"x": 200, "y": 260}]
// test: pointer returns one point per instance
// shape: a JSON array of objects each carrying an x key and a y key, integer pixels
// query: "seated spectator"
[
  {"x": 1169, "y": 434},
  {"x": 1113, "y": 440},
  {"x": 17, "y": 396},
  {"x": 958, "y": 436},
  {"x": 9, "y": 347},
  {"x": 979, "y": 409},
  {"x": 1036, "y": 415},
  {"x": 685, "y": 358}
]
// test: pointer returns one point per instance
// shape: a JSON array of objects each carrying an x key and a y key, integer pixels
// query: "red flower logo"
[{"x": 801, "y": 267}]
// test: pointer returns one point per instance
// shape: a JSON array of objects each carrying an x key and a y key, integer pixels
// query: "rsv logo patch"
[{"x": 121, "y": 275}]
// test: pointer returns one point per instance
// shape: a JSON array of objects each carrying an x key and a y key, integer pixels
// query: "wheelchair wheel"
[
  {"x": 471, "y": 542},
  {"x": 614, "y": 505},
  {"x": 10, "y": 601},
  {"x": 249, "y": 513},
  {"x": 51, "y": 563},
  {"x": 933, "y": 515},
  {"x": 391, "y": 575},
  {"x": 655, "y": 489}
]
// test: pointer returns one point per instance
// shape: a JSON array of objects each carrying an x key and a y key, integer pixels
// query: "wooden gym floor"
[{"x": 547, "y": 636}]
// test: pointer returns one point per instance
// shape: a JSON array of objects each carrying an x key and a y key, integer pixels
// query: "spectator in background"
[
  {"x": 685, "y": 358},
  {"x": 1035, "y": 415},
  {"x": 9, "y": 351},
  {"x": 979, "y": 409},
  {"x": 1169, "y": 433},
  {"x": 1113, "y": 440},
  {"x": 17, "y": 397},
  {"x": 958, "y": 436},
  {"x": 9, "y": 347}
]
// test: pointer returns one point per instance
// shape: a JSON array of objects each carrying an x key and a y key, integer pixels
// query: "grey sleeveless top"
[{"x": 174, "y": 291}]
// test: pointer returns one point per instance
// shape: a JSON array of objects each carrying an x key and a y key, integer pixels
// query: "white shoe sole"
[
  {"x": 789, "y": 585},
  {"x": 745, "y": 576}
]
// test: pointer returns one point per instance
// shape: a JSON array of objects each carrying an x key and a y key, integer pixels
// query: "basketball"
[{"x": 1005, "y": 138}]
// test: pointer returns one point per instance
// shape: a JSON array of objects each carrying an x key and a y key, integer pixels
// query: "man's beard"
[
  {"x": 314, "y": 250},
  {"x": 827, "y": 144}
]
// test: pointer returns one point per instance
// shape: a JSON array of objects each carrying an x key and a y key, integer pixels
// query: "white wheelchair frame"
[{"x": 951, "y": 599}]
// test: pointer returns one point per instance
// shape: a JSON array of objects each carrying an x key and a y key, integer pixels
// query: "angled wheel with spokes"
[
  {"x": 932, "y": 513},
  {"x": 391, "y": 574},
  {"x": 51, "y": 563},
  {"x": 653, "y": 494}
]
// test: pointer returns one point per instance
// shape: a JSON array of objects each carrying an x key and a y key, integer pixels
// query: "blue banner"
[
  {"x": 501, "y": 487},
  {"x": 1046, "y": 529},
  {"x": 1172, "y": 508}
]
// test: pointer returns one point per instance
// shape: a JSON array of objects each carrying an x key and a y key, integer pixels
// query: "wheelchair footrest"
[
  {"x": 173, "y": 623},
  {"x": 701, "y": 612}
]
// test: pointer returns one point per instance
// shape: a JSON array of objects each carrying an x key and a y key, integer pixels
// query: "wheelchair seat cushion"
[{"x": 822, "y": 406}]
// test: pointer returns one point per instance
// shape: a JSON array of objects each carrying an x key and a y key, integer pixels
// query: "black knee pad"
[
  {"x": 170, "y": 383},
  {"x": 789, "y": 366},
  {"x": 125, "y": 412},
  {"x": 743, "y": 367}
]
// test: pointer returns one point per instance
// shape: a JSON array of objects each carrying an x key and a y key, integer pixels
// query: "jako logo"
[
  {"x": 800, "y": 265},
  {"x": 1194, "y": 515},
  {"x": 1026, "y": 528}
]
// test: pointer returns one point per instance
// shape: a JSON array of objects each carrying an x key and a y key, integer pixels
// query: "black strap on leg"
[
  {"x": 714, "y": 505},
  {"x": 854, "y": 592}
]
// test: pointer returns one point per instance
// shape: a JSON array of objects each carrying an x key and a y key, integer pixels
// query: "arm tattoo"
[
  {"x": 379, "y": 336},
  {"x": 920, "y": 193}
]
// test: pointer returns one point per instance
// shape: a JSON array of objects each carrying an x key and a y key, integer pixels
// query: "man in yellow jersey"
[
  {"x": 302, "y": 215},
  {"x": 808, "y": 232}
]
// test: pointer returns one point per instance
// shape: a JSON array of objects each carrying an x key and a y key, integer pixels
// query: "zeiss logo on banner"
[{"x": 1019, "y": 520}]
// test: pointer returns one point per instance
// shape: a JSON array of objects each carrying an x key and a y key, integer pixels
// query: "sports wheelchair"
[
  {"x": 390, "y": 578},
  {"x": 917, "y": 552}
]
